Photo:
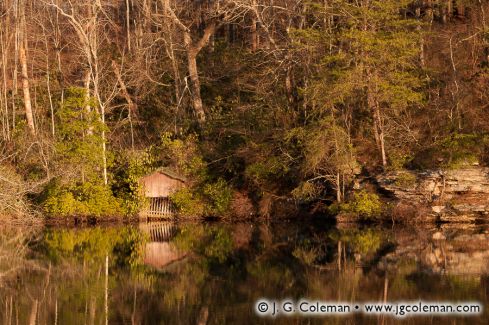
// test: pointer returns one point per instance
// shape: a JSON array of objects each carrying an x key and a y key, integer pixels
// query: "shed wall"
[{"x": 160, "y": 185}]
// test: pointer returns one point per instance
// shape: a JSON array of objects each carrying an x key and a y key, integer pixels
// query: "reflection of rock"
[
  {"x": 438, "y": 236},
  {"x": 462, "y": 252},
  {"x": 160, "y": 255}
]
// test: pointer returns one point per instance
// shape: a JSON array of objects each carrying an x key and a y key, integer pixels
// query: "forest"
[{"x": 263, "y": 105}]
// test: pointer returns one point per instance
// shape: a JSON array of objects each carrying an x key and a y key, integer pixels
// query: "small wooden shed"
[{"x": 157, "y": 187}]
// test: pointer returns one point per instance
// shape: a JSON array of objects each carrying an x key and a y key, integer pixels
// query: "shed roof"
[{"x": 170, "y": 173}]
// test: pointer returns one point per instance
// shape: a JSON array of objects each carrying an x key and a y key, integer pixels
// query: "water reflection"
[{"x": 212, "y": 273}]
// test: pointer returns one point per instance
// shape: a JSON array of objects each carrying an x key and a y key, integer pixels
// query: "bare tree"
[
  {"x": 214, "y": 15},
  {"x": 25, "y": 76}
]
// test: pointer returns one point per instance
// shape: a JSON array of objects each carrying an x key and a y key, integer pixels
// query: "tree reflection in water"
[{"x": 212, "y": 273}]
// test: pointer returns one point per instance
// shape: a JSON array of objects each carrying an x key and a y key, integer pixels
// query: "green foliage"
[
  {"x": 79, "y": 151},
  {"x": 307, "y": 255},
  {"x": 127, "y": 171},
  {"x": 364, "y": 204},
  {"x": 188, "y": 203},
  {"x": 270, "y": 168},
  {"x": 218, "y": 196},
  {"x": 405, "y": 179},
  {"x": 369, "y": 62},
  {"x": 79, "y": 136},
  {"x": 94, "y": 244},
  {"x": 209, "y": 199},
  {"x": 81, "y": 200},
  {"x": 202, "y": 196},
  {"x": 215, "y": 243},
  {"x": 452, "y": 152},
  {"x": 399, "y": 160},
  {"x": 306, "y": 192},
  {"x": 462, "y": 149},
  {"x": 327, "y": 152},
  {"x": 363, "y": 241},
  {"x": 183, "y": 155}
]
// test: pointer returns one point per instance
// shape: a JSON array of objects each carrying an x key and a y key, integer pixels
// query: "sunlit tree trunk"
[
  {"x": 33, "y": 314},
  {"x": 195, "y": 83},
  {"x": 4, "y": 29},
  {"x": 254, "y": 31},
  {"x": 25, "y": 76},
  {"x": 128, "y": 25}
]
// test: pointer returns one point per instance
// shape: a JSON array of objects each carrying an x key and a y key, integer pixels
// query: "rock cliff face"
[{"x": 460, "y": 195}]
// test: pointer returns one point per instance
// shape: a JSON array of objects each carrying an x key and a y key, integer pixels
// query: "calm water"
[{"x": 213, "y": 273}]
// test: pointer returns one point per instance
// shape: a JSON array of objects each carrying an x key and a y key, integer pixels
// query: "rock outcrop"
[{"x": 459, "y": 195}]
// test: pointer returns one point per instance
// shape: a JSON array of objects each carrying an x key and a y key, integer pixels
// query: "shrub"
[
  {"x": 218, "y": 196},
  {"x": 129, "y": 169},
  {"x": 12, "y": 192},
  {"x": 182, "y": 155},
  {"x": 84, "y": 200},
  {"x": 364, "y": 204},
  {"x": 405, "y": 179},
  {"x": 399, "y": 160},
  {"x": 306, "y": 192},
  {"x": 210, "y": 199},
  {"x": 187, "y": 203}
]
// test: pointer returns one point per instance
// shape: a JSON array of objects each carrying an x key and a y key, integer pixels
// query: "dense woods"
[{"x": 253, "y": 101}]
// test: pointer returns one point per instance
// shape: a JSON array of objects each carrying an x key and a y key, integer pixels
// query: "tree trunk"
[
  {"x": 338, "y": 187},
  {"x": 371, "y": 104},
  {"x": 254, "y": 31},
  {"x": 421, "y": 45},
  {"x": 289, "y": 87},
  {"x": 24, "y": 72},
  {"x": 33, "y": 314},
  {"x": 25, "y": 89},
  {"x": 4, "y": 85},
  {"x": 128, "y": 25},
  {"x": 379, "y": 125},
  {"x": 193, "y": 49},
  {"x": 131, "y": 106},
  {"x": 195, "y": 84},
  {"x": 88, "y": 109}
]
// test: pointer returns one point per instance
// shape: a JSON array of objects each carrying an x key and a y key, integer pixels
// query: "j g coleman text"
[{"x": 273, "y": 308}]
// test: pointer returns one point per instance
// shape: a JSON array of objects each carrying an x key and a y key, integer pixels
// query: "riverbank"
[{"x": 409, "y": 197}]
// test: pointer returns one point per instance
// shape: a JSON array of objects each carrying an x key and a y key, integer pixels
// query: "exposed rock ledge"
[{"x": 460, "y": 195}]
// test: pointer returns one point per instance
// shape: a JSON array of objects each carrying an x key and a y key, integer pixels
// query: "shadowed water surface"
[{"x": 213, "y": 273}]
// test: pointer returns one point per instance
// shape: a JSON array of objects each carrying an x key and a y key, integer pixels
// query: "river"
[{"x": 216, "y": 273}]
